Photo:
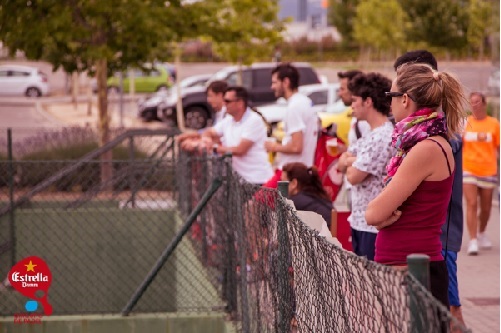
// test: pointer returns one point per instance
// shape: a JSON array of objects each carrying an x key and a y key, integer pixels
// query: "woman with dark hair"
[
  {"x": 409, "y": 213},
  {"x": 306, "y": 190}
]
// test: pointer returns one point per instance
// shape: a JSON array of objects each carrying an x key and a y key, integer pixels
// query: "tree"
[
  {"x": 374, "y": 31},
  {"x": 440, "y": 24},
  {"x": 480, "y": 24},
  {"x": 341, "y": 14},
  {"x": 250, "y": 28},
  {"x": 98, "y": 37}
]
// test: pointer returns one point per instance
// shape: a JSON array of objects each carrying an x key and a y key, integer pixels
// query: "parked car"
[
  {"x": 256, "y": 78},
  {"x": 23, "y": 80},
  {"x": 330, "y": 109},
  {"x": 493, "y": 83},
  {"x": 156, "y": 79},
  {"x": 150, "y": 108}
]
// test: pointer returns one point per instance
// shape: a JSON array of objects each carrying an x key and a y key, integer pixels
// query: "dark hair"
[
  {"x": 240, "y": 93},
  {"x": 286, "y": 70},
  {"x": 373, "y": 85},
  {"x": 308, "y": 180},
  {"x": 348, "y": 74},
  {"x": 217, "y": 87},
  {"x": 479, "y": 94},
  {"x": 417, "y": 56}
]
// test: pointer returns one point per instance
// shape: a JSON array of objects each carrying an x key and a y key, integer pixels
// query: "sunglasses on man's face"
[{"x": 228, "y": 101}]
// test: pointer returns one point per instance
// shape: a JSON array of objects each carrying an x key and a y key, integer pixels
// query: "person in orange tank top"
[{"x": 480, "y": 167}]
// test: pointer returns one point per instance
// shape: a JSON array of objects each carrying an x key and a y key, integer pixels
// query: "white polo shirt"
[
  {"x": 300, "y": 116},
  {"x": 254, "y": 165}
]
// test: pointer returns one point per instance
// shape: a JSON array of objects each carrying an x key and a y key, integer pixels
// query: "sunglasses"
[{"x": 392, "y": 94}]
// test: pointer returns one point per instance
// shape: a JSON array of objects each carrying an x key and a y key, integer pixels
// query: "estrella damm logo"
[{"x": 32, "y": 278}]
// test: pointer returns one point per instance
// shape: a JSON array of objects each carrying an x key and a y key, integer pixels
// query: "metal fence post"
[
  {"x": 230, "y": 284},
  {"x": 205, "y": 170},
  {"x": 242, "y": 246},
  {"x": 12, "y": 235},
  {"x": 132, "y": 174},
  {"x": 284, "y": 288},
  {"x": 419, "y": 267}
]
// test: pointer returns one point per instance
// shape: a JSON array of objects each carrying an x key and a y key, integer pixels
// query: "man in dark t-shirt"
[{"x": 452, "y": 230}]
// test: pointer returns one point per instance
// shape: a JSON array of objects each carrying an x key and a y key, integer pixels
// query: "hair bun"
[{"x": 436, "y": 76}]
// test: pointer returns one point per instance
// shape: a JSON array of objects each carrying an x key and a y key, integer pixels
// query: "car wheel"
[
  {"x": 150, "y": 116},
  {"x": 196, "y": 117},
  {"x": 162, "y": 87},
  {"x": 33, "y": 92}
]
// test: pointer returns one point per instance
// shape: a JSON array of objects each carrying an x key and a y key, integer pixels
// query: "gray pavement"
[{"x": 478, "y": 278}]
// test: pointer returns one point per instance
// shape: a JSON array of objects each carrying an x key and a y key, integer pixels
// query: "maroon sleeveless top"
[{"x": 419, "y": 227}]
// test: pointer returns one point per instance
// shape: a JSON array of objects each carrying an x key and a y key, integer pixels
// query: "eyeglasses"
[
  {"x": 392, "y": 94},
  {"x": 228, "y": 101}
]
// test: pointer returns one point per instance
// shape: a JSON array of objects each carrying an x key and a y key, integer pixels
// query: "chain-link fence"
[
  {"x": 99, "y": 237},
  {"x": 246, "y": 253}
]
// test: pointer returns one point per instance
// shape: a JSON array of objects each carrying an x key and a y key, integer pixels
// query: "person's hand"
[
  {"x": 270, "y": 146},
  {"x": 187, "y": 135},
  {"x": 189, "y": 144},
  {"x": 390, "y": 220},
  {"x": 343, "y": 161}
]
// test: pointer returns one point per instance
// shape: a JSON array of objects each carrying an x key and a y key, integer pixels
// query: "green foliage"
[
  {"x": 481, "y": 22},
  {"x": 437, "y": 23},
  {"x": 250, "y": 29},
  {"x": 373, "y": 29},
  {"x": 38, "y": 166},
  {"x": 342, "y": 15},
  {"x": 75, "y": 34}
]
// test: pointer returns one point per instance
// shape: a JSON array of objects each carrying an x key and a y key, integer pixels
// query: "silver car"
[{"x": 23, "y": 80}]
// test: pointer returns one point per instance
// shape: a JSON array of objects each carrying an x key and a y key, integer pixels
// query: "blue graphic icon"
[{"x": 31, "y": 306}]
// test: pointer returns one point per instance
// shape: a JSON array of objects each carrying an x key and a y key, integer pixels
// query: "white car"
[
  {"x": 23, "y": 80},
  {"x": 324, "y": 98}
]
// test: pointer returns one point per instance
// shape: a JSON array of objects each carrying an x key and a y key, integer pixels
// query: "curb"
[{"x": 40, "y": 109}]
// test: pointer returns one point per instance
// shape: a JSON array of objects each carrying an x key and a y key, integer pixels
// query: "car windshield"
[{"x": 220, "y": 75}]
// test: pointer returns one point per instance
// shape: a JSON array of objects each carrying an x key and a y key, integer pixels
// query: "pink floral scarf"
[{"x": 409, "y": 131}]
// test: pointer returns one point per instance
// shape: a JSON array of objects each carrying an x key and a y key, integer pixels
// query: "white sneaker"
[
  {"x": 472, "y": 248},
  {"x": 483, "y": 241}
]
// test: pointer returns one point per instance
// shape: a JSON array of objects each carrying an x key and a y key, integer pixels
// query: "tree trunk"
[
  {"x": 89, "y": 96},
  {"x": 103, "y": 122},
  {"x": 179, "y": 105},
  {"x": 239, "y": 72},
  {"x": 74, "y": 89}
]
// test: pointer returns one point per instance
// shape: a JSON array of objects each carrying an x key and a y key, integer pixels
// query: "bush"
[{"x": 38, "y": 166}]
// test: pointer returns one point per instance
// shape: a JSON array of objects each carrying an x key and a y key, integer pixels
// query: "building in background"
[{"x": 309, "y": 20}]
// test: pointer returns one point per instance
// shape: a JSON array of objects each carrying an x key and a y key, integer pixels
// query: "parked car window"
[
  {"x": 319, "y": 97},
  {"x": 152, "y": 73},
  {"x": 232, "y": 79},
  {"x": 262, "y": 78},
  {"x": 19, "y": 74},
  {"x": 307, "y": 76}
]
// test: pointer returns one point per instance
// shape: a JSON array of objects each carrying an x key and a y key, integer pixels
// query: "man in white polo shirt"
[
  {"x": 301, "y": 122},
  {"x": 243, "y": 135}
]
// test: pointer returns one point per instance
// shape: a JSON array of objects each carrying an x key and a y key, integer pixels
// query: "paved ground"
[{"x": 479, "y": 281}]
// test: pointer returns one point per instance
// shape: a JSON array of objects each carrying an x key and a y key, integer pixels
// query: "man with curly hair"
[{"x": 365, "y": 161}]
